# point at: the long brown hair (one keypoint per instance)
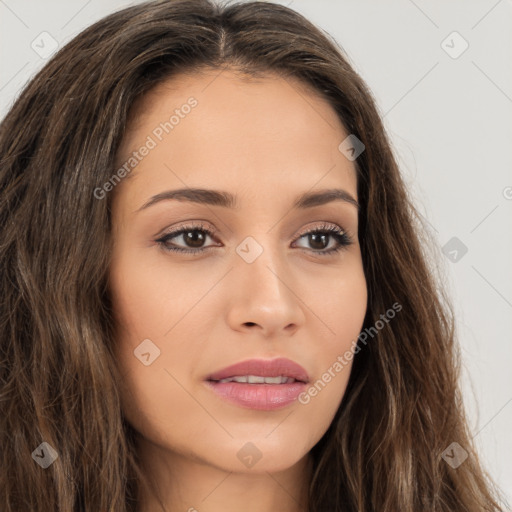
(402, 408)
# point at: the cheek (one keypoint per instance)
(153, 302)
(341, 310)
(341, 304)
(151, 297)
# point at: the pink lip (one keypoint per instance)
(260, 396)
(264, 368)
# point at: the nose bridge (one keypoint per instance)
(263, 293)
(261, 261)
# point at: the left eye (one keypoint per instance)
(322, 239)
(195, 236)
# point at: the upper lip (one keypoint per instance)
(264, 368)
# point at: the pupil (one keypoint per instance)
(196, 240)
(313, 240)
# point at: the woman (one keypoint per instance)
(214, 289)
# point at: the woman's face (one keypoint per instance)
(257, 287)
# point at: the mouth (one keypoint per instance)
(260, 384)
(260, 371)
(257, 379)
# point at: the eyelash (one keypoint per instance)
(343, 239)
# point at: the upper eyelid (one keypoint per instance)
(187, 227)
(323, 225)
(205, 227)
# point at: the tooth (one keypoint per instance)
(253, 379)
(273, 380)
(257, 379)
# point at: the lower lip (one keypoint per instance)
(264, 397)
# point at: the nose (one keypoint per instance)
(265, 297)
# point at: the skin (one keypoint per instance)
(267, 141)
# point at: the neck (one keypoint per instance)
(180, 482)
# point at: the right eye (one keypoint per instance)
(194, 235)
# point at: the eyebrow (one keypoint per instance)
(227, 200)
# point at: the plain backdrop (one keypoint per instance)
(441, 75)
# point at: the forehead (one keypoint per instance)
(240, 129)
(231, 87)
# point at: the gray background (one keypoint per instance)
(449, 118)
